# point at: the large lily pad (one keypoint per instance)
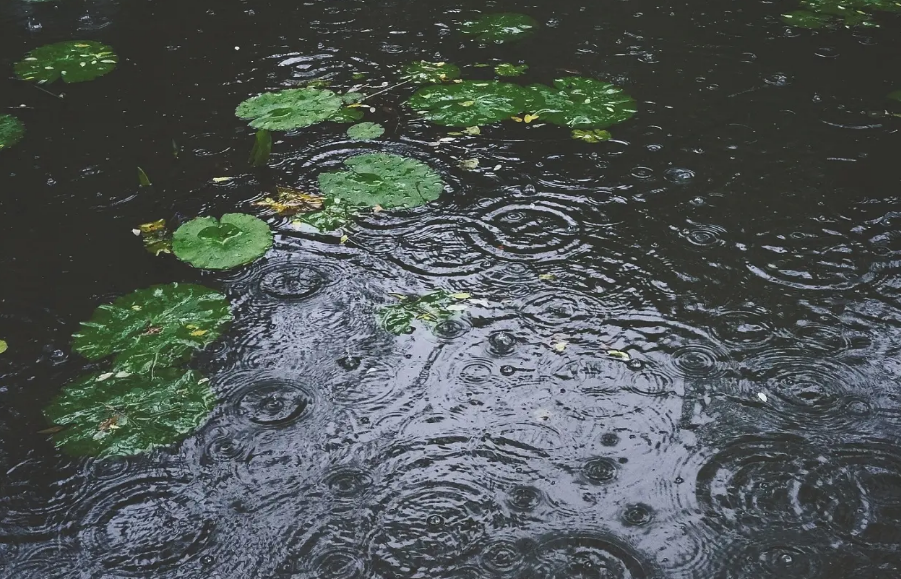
(210, 243)
(500, 27)
(469, 103)
(11, 131)
(424, 72)
(581, 103)
(73, 61)
(382, 179)
(155, 327)
(124, 414)
(294, 108)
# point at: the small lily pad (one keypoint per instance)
(581, 103)
(294, 108)
(210, 243)
(591, 135)
(469, 103)
(807, 19)
(155, 327)
(382, 179)
(430, 309)
(3, 346)
(11, 131)
(424, 72)
(507, 69)
(126, 413)
(365, 131)
(500, 27)
(334, 215)
(73, 61)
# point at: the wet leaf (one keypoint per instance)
(499, 27)
(128, 415)
(358, 75)
(52, 430)
(147, 329)
(222, 179)
(424, 72)
(143, 179)
(73, 61)
(430, 309)
(547, 276)
(472, 131)
(592, 135)
(529, 118)
(806, 19)
(382, 179)
(507, 69)
(619, 355)
(461, 296)
(332, 217)
(3, 346)
(343, 239)
(208, 243)
(469, 103)
(262, 148)
(291, 202)
(156, 237)
(12, 130)
(365, 131)
(559, 346)
(292, 108)
(581, 103)
(469, 164)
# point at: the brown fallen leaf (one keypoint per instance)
(291, 202)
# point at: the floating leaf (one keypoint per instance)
(148, 329)
(472, 131)
(507, 69)
(208, 243)
(581, 103)
(806, 19)
(365, 131)
(469, 164)
(469, 103)
(424, 72)
(333, 216)
(358, 75)
(547, 276)
(619, 355)
(382, 179)
(292, 108)
(156, 237)
(262, 148)
(592, 135)
(73, 61)
(11, 131)
(143, 179)
(291, 202)
(222, 179)
(130, 414)
(430, 309)
(3, 346)
(500, 27)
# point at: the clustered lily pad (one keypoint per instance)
(73, 61)
(365, 131)
(333, 216)
(500, 27)
(295, 108)
(507, 69)
(469, 103)
(117, 414)
(424, 72)
(210, 243)
(821, 13)
(154, 328)
(430, 309)
(581, 103)
(11, 131)
(591, 135)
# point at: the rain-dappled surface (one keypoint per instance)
(738, 238)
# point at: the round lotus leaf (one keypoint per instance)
(507, 69)
(119, 413)
(11, 131)
(73, 61)
(290, 109)
(365, 131)
(581, 103)
(500, 27)
(155, 327)
(805, 19)
(424, 72)
(382, 179)
(469, 103)
(210, 243)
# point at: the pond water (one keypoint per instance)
(735, 245)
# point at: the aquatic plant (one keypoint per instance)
(581, 103)
(12, 130)
(424, 72)
(295, 108)
(382, 179)
(430, 309)
(210, 243)
(507, 69)
(365, 131)
(499, 27)
(469, 103)
(72, 61)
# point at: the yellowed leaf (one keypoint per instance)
(472, 130)
(153, 226)
(547, 276)
(344, 239)
(355, 105)
(467, 103)
(461, 296)
(3, 346)
(517, 119)
(619, 355)
(529, 118)
(291, 202)
(198, 333)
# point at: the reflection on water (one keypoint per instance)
(737, 240)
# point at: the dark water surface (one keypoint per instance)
(739, 239)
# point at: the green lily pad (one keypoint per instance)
(382, 179)
(430, 309)
(73, 61)
(424, 72)
(234, 240)
(591, 135)
(469, 103)
(806, 19)
(365, 131)
(120, 414)
(11, 131)
(155, 327)
(500, 27)
(294, 108)
(581, 103)
(507, 69)
(849, 7)
(334, 215)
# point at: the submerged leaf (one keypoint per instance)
(382, 179)
(581, 103)
(292, 108)
(592, 135)
(148, 329)
(11, 131)
(262, 148)
(500, 27)
(469, 103)
(332, 217)
(806, 19)
(365, 131)
(424, 72)
(156, 237)
(130, 414)
(208, 243)
(507, 69)
(291, 202)
(73, 61)
(143, 179)
(430, 309)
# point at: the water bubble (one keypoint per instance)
(524, 498)
(600, 470)
(637, 514)
(501, 343)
